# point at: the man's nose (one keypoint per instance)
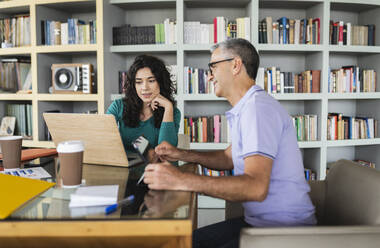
(210, 77)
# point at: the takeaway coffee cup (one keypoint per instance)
(11, 150)
(70, 155)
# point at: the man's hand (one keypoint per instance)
(168, 152)
(152, 156)
(163, 176)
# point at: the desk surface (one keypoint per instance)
(156, 219)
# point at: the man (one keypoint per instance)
(269, 173)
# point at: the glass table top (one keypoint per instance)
(148, 204)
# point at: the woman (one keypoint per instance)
(148, 107)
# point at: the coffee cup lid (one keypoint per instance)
(70, 146)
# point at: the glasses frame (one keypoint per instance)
(212, 64)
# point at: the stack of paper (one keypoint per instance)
(94, 196)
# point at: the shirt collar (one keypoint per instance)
(236, 109)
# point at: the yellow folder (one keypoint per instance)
(16, 191)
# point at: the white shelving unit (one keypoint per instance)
(296, 58)
(42, 57)
(109, 60)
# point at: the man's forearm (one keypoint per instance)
(215, 160)
(236, 188)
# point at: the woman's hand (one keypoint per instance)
(160, 101)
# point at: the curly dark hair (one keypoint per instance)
(133, 105)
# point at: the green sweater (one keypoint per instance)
(168, 130)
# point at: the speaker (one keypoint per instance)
(72, 78)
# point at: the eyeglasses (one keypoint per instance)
(212, 64)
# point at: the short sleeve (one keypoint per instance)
(116, 109)
(261, 129)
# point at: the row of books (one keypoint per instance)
(290, 31)
(361, 162)
(366, 163)
(204, 129)
(213, 173)
(15, 75)
(310, 175)
(15, 31)
(352, 79)
(195, 81)
(162, 33)
(341, 33)
(306, 127)
(220, 30)
(274, 81)
(74, 31)
(198, 33)
(23, 114)
(341, 127)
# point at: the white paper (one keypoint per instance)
(34, 173)
(94, 196)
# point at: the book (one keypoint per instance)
(94, 196)
(14, 194)
(316, 77)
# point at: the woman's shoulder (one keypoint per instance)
(119, 102)
(116, 106)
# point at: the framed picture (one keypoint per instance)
(7, 125)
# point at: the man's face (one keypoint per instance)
(220, 67)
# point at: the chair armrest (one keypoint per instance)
(311, 237)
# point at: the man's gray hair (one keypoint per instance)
(245, 50)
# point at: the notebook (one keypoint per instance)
(14, 194)
(99, 132)
(94, 196)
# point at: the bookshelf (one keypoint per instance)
(109, 60)
(289, 57)
(42, 57)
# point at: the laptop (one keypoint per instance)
(100, 134)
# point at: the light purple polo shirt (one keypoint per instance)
(260, 125)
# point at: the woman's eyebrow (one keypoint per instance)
(146, 78)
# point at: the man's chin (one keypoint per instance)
(218, 94)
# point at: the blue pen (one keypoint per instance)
(126, 201)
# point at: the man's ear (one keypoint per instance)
(237, 66)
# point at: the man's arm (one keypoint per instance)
(215, 160)
(253, 185)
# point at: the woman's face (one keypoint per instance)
(147, 87)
